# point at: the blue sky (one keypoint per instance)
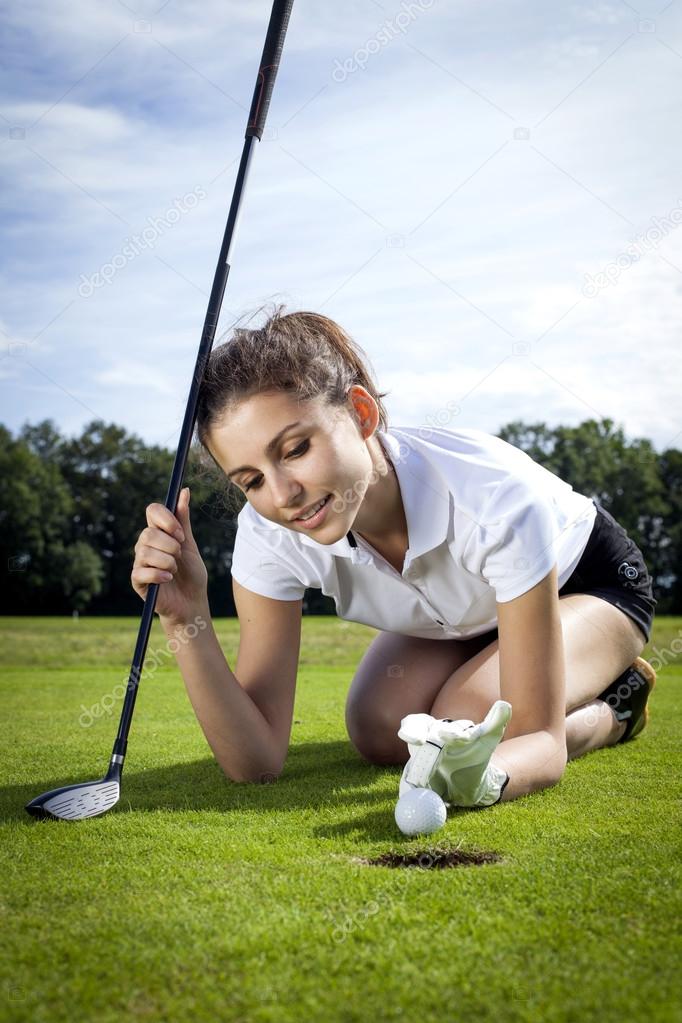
(486, 196)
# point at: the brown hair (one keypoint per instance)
(303, 353)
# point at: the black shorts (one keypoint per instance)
(612, 567)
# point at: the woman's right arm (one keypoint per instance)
(240, 737)
(242, 740)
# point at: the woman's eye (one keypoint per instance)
(295, 453)
(300, 450)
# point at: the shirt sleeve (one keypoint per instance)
(512, 544)
(259, 564)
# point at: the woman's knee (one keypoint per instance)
(398, 675)
(378, 698)
(382, 749)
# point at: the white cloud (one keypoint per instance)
(125, 374)
(429, 123)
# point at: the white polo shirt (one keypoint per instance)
(485, 524)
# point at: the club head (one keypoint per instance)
(76, 802)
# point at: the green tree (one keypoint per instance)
(671, 543)
(537, 440)
(624, 477)
(35, 507)
(81, 571)
(71, 510)
(113, 476)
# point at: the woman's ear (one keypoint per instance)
(365, 409)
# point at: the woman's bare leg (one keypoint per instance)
(600, 642)
(591, 727)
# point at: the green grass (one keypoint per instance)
(199, 899)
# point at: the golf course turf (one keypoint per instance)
(196, 898)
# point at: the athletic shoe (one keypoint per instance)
(628, 695)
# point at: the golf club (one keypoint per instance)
(89, 799)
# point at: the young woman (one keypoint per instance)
(488, 578)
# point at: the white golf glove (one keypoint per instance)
(453, 757)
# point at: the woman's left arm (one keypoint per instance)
(533, 680)
(531, 652)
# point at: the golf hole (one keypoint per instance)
(432, 859)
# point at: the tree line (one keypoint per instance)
(71, 510)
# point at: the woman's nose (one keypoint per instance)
(285, 492)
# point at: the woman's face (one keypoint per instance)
(332, 451)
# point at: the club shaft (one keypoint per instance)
(255, 126)
(207, 337)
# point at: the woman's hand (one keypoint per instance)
(453, 757)
(166, 553)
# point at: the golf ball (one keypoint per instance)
(420, 812)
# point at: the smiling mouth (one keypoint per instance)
(311, 514)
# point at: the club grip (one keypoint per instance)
(269, 64)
